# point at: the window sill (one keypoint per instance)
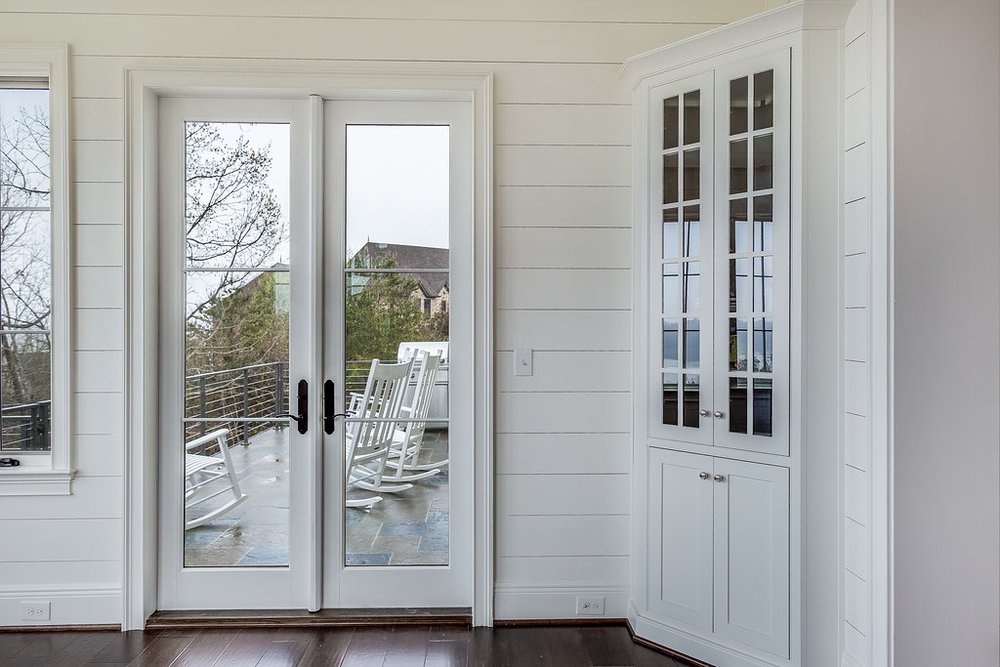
(35, 482)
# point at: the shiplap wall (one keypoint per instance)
(562, 173)
(856, 336)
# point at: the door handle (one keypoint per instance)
(302, 403)
(330, 413)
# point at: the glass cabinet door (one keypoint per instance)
(719, 257)
(751, 256)
(681, 280)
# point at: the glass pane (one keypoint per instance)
(25, 270)
(670, 344)
(670, 389)
(691, 399)
(671, 234)
(692, 342)
(397, 322)
(692, 231)
(237, 180)
(692, 117)
(253, 532)
(763, 345)
(737, 166)
(762, 406)
(671, 120)
(763, 284)
(739, 285)
(737, 344)
(692, 287)
(763, 100)
(739, 234)
(692, 175)
(763, 162)
(737, 405)
(236, 347)
(671, 289)
(738, 106)
(24, 148)
(671, 179)
(26, 393)
(763, 224)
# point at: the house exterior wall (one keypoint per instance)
(562, 257)
(946, 318)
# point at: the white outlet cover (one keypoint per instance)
(36, 610)
(590, 606)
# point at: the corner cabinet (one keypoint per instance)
(722, 191)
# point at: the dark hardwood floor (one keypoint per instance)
(401, 646)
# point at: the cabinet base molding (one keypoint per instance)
(683, 646)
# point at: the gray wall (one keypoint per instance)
(947, 332)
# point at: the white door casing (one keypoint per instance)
(146, 88)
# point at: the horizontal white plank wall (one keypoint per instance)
(562, 176)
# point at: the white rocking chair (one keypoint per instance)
(370, 430)
(407, 442)
(201, 470)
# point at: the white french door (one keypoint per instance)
(302, 240)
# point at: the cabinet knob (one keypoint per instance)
(719, 478)
(719, 414)
(703, 475)
(704, 413)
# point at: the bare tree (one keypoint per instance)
(25, 252)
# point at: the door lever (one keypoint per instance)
(330, 413)
(302, 399)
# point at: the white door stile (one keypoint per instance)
(181, 587)
(413, 585)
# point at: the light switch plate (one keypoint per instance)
(522, 361)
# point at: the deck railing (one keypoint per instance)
(26, 427)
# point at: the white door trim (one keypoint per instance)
(144, 87)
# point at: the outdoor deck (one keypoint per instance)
(405, 528)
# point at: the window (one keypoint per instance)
(34, 265)
(25, 268)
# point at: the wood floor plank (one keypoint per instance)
(247, 647)
(162, 651)
(125, 649)
(283, 653)
(367, 648)
(328, 647)
(566, 645)
(407, 647)
(206, 649)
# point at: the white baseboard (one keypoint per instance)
(69, 605)
(690, 644)
(513, 602)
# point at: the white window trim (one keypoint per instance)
(50, 474)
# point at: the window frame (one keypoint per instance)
(50, 474)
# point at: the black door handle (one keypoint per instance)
(330, 413)
(302, 419)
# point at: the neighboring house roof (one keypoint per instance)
(411, 257)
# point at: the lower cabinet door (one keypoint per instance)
(680, 537)
(751, 555)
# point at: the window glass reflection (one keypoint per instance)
(737, 344)
(737, 166)
(671, 288)
(692, 175)
(670, 122)
(691, 390)
(738, 106)
(692, 117)
(763, 162)
(670, 344)
(670, 179)
(671, 233)
(763, 100)
(692, 231)
(670, 403)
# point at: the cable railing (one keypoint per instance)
(26, 427)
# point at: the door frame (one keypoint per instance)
(143, 90)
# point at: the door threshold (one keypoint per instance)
(300, 618)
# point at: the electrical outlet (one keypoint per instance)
(590, 606)
(36, 610)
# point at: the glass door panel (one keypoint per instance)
(680, 290)
(396, 321)
(752, 258)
